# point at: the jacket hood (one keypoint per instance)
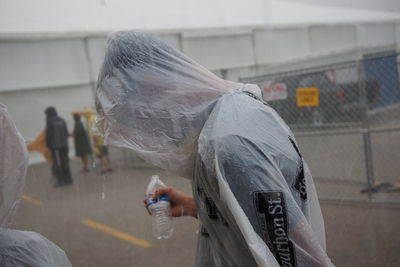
(154, 100)
(51, 112)
(13, 165)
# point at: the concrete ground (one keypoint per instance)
(113, 200)
(357, 235)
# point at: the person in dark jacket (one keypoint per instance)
(57, 142)
(81, 141)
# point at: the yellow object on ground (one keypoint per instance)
(32, 200)
(116, 233)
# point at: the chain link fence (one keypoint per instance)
(346, 118)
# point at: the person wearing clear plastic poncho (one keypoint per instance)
(19, 248)
(253, 192)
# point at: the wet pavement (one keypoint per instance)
(100, 220)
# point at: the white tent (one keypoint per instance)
(49, 16)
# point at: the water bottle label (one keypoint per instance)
(164, 198)
(150, 200)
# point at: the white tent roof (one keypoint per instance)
(59, 16)
(295, 13)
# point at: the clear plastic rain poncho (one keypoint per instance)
(254, 193)
(19, 248)
(13, 165)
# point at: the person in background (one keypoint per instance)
(57, 142)
(83, 149)
(100, 149)
(252, 190)
(19, 248)
(102, 154)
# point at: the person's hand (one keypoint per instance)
(181, 203)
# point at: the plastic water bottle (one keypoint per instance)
(160, 209)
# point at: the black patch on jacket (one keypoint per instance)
(212, 210)
(274, 224)
(300, 182)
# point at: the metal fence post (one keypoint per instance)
(365, 128)
(368, 160)
(89, 65)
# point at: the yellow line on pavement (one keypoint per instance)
(116, 233)
(32, 200)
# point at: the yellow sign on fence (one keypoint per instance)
(307, 97)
